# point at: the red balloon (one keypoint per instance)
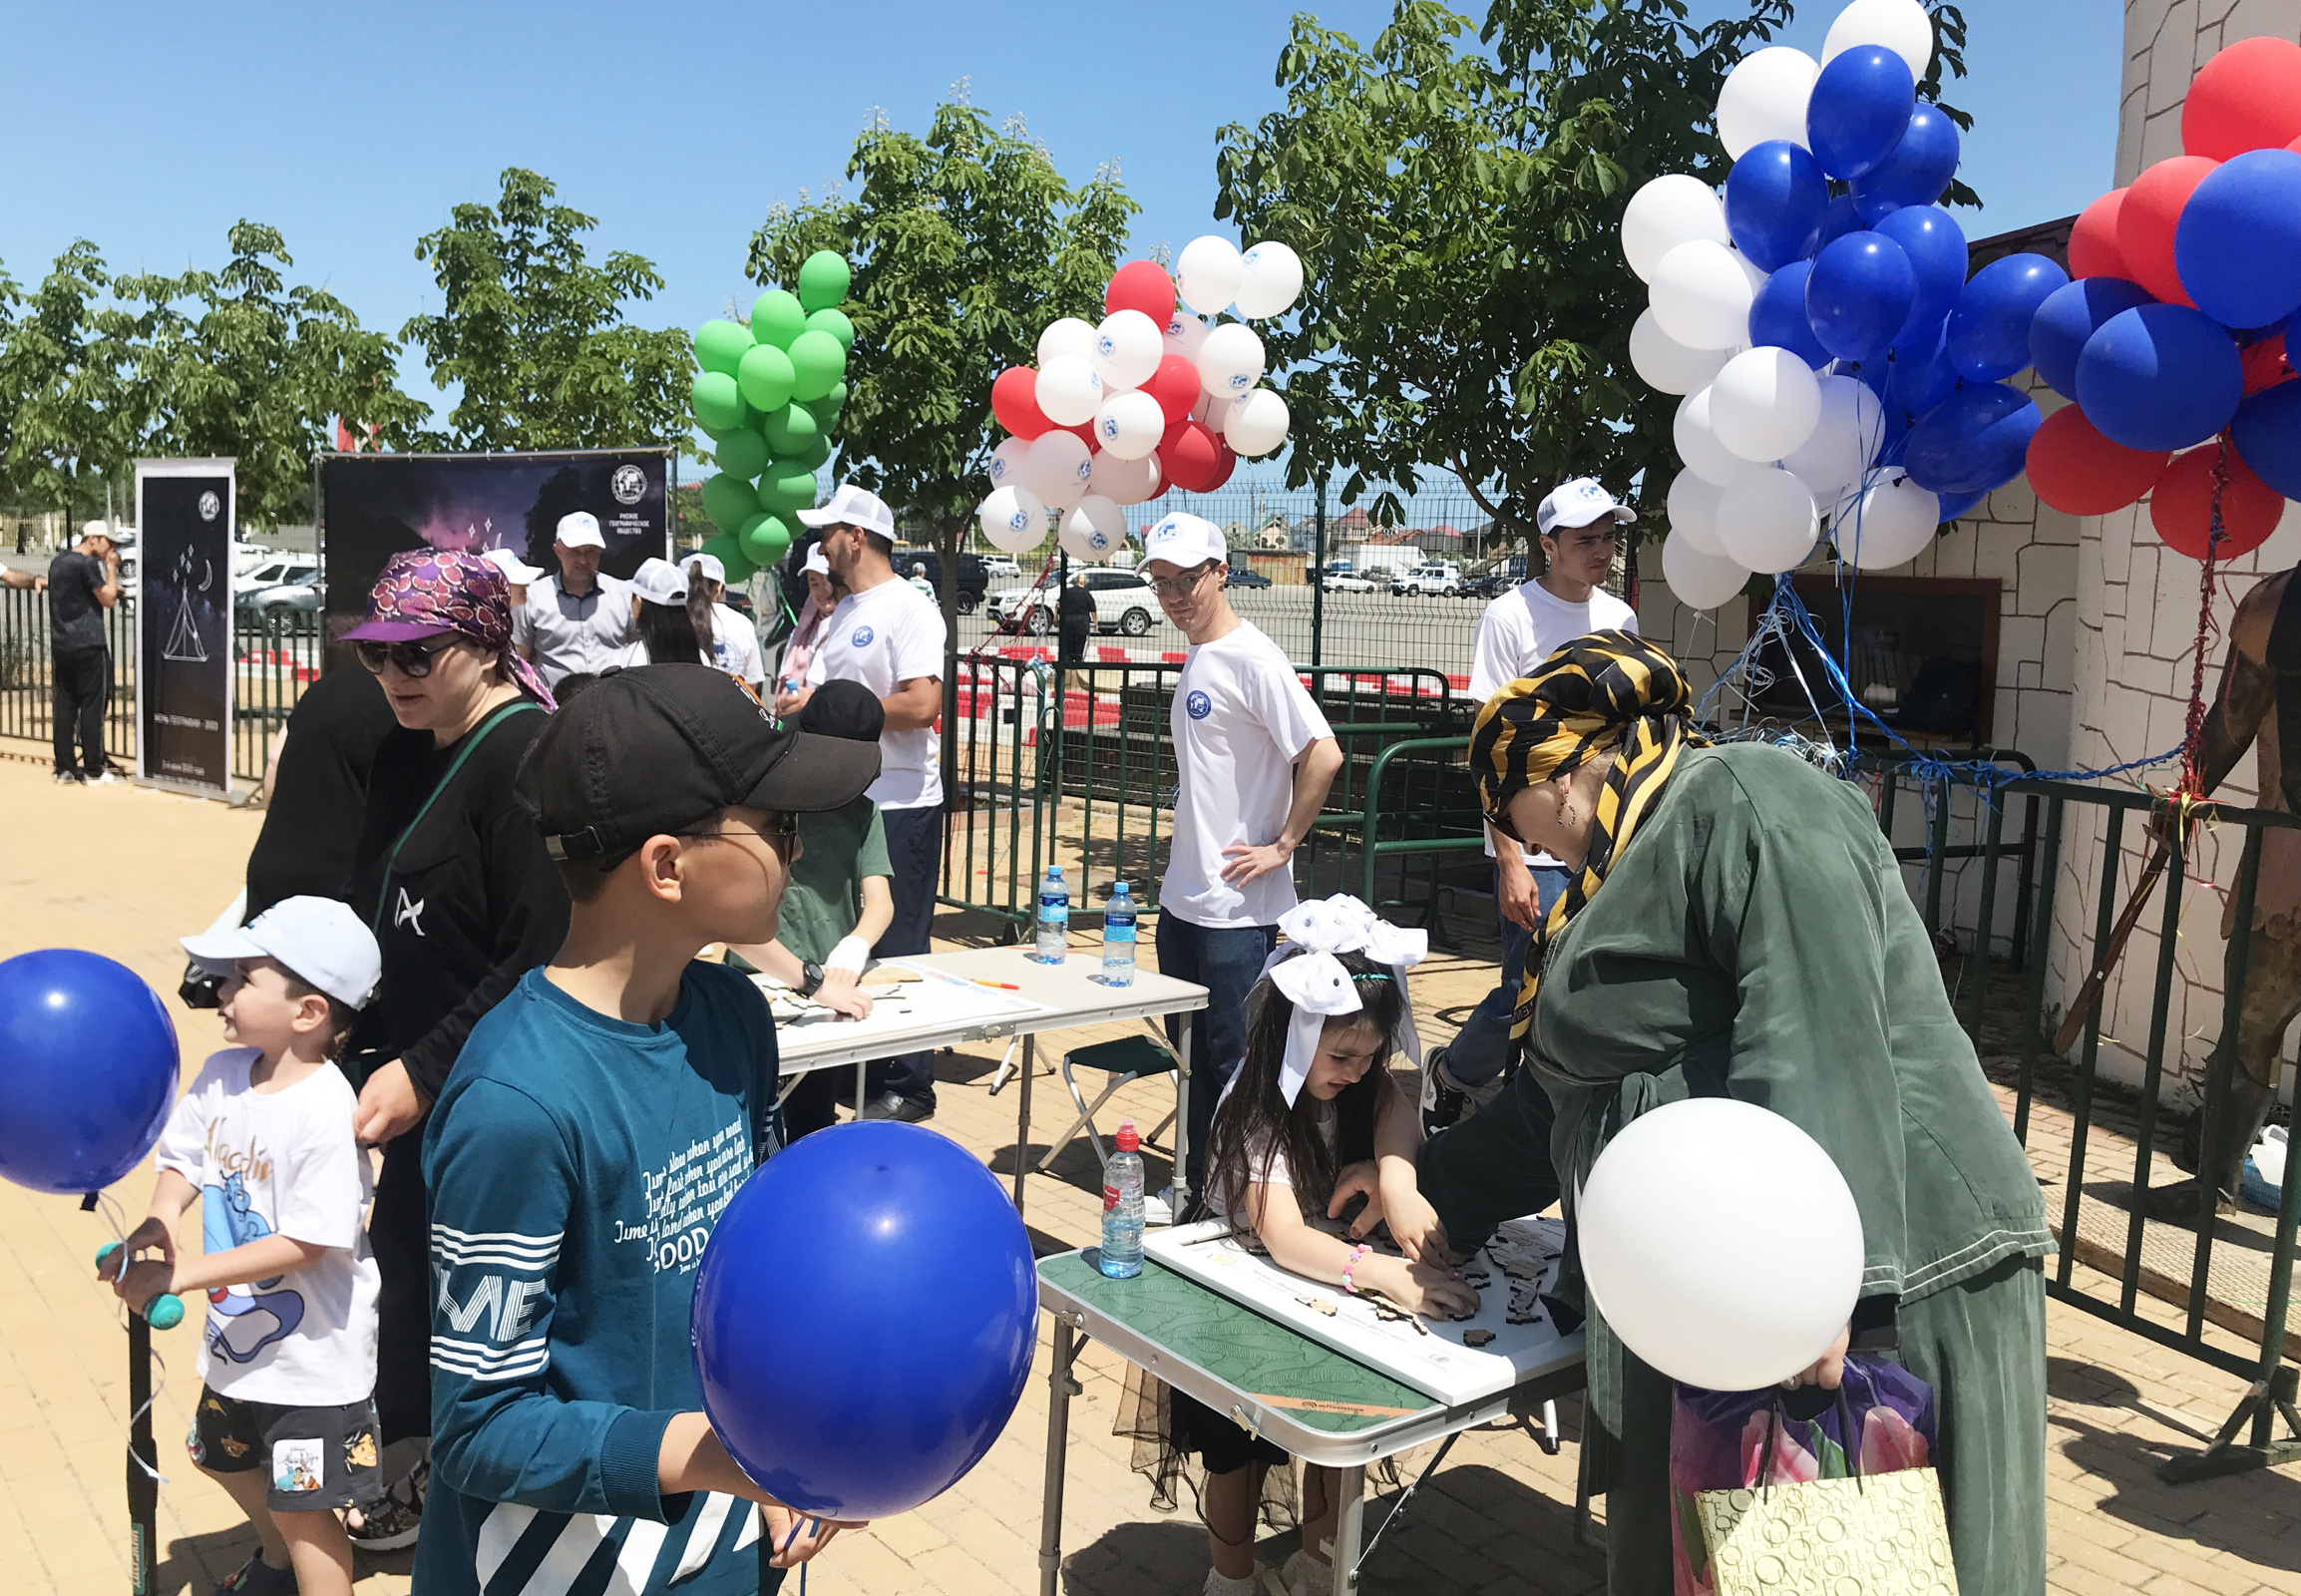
(1192, 457)
(2265, 363)
(2094, 239)
(1176, 386)
(1224, 467)
(2073, 468)
(2246, 97)
(1085, 432)
(1141, 286)
(1014, 401)
(2146, 224)
(2182, 508)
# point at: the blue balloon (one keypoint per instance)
(88, 1066)
(2237, 246)
(1775, 198)
(2267, 433)
(1861, 104)
(1860, 293)
(2160, 377)
(1840, 219)
(1922, 377)
(1936, 246)
(1918, 171)
(1988, 326)
(884, 1381)
(1778, 315)
(1955, 505)
(1975, 440)
(2068, 316)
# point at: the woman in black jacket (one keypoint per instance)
(451, 875)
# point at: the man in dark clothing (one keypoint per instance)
(318, 790)
(1076, 615)
(83, 582)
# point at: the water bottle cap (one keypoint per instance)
(1127, 1140)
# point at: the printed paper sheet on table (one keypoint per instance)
(934, 998)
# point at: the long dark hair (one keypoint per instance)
(669, 632)
(706, 629)
(1255, 1116)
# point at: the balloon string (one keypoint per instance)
(110, 1211)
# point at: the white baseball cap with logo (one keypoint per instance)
(319, 940)
(854, 507)
(708, 567)
(659, 583)
(515, 571)
(580, 530)
(816, 561)
(1577, 504)
(1184, 541)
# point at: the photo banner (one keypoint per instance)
(374, 506)
(183, 528)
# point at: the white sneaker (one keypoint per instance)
(1158, 1208)
(1304, 1575)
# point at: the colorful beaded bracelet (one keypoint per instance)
(1349, 1284)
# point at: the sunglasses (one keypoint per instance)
(412, 659)
(781, 834)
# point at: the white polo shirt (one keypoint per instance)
(565, 634)
(1525, 627)
(881, 637)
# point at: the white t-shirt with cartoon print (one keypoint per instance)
(282, 1163)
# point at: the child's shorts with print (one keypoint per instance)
(313, 1458)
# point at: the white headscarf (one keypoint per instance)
(1306, 971)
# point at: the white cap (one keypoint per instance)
(854, 507)
(1577, 504)
(94, 529)
(659, 583)
(1184, 541)
(708, 567)
(515, 571)
(318, 940)
(816, 561)
(580, 530)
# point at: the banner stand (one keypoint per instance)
(185, 515)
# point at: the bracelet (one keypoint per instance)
(1348, 1283)
(851, 953)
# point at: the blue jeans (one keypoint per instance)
(1483, 1046)
(914, 851)
(1226, 960)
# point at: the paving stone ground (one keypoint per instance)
(125, 872)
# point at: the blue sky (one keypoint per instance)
(353, 128)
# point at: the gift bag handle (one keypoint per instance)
(1773, 1431)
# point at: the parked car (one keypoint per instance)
(1437, 578)
(1240, 577)
(1001, 565)
(278, 571)
(280, 606)
(974, 576)
(1123, 602)
(1488, 584)
(1345, 580)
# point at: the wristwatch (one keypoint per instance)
(810, 977)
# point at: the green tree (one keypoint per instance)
(534, 335)
(80, 397)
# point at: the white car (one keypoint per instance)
(1346, 581)
(1123, 602)
(1434, 578)
(1000, 566)
(282, 571)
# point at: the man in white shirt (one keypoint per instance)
(1580, 529)
(888, 636)
(576, 619)
(1254, 760)
(735, 639)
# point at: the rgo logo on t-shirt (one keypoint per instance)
(1199, 705)
(862, 637)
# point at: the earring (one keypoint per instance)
(1566, 817)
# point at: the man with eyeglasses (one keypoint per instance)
(1579, 526)
(1253, 758)
(575, 619)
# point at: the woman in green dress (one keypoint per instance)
(1737, 925)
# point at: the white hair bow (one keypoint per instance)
(1307, 973)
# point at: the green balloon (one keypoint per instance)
(765, 378)
(791, 430)
(822, 280)
(777, 317)
(787, 486)
(817, 363)
(815, 453)
(719, 345)
(728, 550)
(835, 323)
(718, 402)
(729, 501)
(743, 453)
(826, 413)
(766, 539)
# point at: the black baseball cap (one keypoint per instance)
(663, 747)
(843, 709)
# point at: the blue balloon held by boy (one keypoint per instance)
(88, 1068)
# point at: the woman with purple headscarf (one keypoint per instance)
(451, 875)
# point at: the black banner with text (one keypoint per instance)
(184, 522)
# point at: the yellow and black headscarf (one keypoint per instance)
(1605, 693)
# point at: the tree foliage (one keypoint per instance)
(70, 373)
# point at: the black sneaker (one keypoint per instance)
(894, 1105)
(258, 1578)
(1442, 1101)
(395, 1521)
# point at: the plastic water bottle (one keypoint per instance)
(1054, 917)
(1118, 939)
(1122, 1206)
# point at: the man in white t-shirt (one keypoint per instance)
(575, 619)
(735, 639)
(1254, 760)
(890, 638)
(1580, 529)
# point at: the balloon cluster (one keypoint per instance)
(1837, 365)
(1153, 398)
(2172, 340)
(769, 395)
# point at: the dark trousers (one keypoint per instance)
(1226, 960)
(914, 851)
(399, 1234)
(1075, 644)
(1483, 1046)
(82, 678)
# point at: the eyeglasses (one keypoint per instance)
(782, 834)
(1176, 587)
(411, 658)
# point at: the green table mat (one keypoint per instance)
(1314, 1384)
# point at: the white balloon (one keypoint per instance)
(1256, 423)
(1185, 334)
(1271, 281)
(1129, 423)
(1700, 581)
(1694, 515)
(1068, 392)
(1664, 363)
(1764, 403)
(1766, 520)
(1847, 433)
(1067, 336)
(1058, 467)
(1890, 524)
(1211, 411)
(1013, 519)
(1701, 295)
(1902, 25)
(1751, 270)
(1699, 447)
(1230, 360)
(1721, 1243)
(1007, 461)
(1093, 529)
(1668, 212)
(1208, 274)
(1127, 347)
(1123, 481)
(1765, 96)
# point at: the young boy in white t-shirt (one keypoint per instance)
(264, 1143)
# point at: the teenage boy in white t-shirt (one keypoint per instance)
(263, 1142)
(1254, 760)
(1579, 526)
(889, 637)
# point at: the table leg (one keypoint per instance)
(1182, 1180)
(1350, 1523)
(862, 1072)
(1023, 1117)
(1060, 1389)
